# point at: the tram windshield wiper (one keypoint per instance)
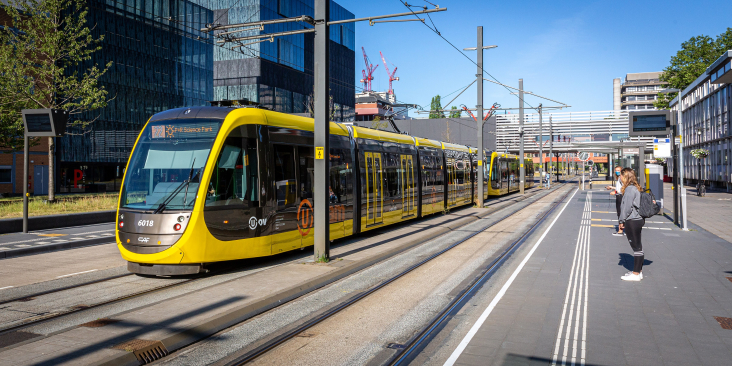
(177, 190)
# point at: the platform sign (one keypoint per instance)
(661, 148)
(649, 123)
(45, 122)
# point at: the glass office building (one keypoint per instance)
(161, 60)
(707, 124)
(279, 74)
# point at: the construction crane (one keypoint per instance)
(368, 74)
(391, 75)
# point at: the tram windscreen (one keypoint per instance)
(167, 153)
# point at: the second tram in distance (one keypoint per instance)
(211, 184)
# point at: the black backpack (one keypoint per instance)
(648, 206)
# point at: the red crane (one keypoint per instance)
(368, 74)
(391, 75)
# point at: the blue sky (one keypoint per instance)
(569, 51)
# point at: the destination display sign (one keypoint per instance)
(649, 123)
(185, 130)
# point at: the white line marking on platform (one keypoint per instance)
(3, 288)
(22, 245)
(579, 275)
(479, 323)
(77, 273)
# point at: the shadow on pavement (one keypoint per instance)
(626, 260)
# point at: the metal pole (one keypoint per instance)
(25, 184)
(551, 151)
(479, 118)
(682, 190)
(322, 131)
(541, 149)
(675, 176)
(521, 136)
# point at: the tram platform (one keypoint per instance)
(192, 311)
(561, 301)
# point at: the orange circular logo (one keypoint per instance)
(305, 217)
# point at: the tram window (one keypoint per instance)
(236, 175)
(285, 178)
(338, 177)
(393, 174)
(307, 171)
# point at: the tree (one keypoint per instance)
(436, 108)
(692, 60)
(455, 112)
(41, 50)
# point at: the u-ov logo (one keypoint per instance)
(253, 222)
(304, 217)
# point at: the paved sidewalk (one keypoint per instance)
(15, 244)
(568, 305)
(713, 212)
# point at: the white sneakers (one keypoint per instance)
(630, 276)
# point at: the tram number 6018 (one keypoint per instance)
(145, 223)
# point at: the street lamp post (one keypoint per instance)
(479, 113)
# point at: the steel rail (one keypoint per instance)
(268, 346)
(63, 288)
(456, 304)
(53, 316)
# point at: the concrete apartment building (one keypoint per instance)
(639, 91)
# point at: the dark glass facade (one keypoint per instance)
(279, 74)
(160, 61)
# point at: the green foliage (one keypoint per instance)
(455, 112)
(692, 60)
(379, 124)
(436, 108)
(48, 39)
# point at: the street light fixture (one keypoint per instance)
(680, 184)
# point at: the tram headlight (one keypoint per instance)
(181, 218)
(177, 227)
(121, 217)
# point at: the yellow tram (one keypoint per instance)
(211, 184)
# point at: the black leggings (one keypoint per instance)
(618, 201)
(633, 232)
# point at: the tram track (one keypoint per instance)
(290, 333)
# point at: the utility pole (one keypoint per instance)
(541, 150)
(479, 119)
(521, 136)
(551, 150)
(321, 207)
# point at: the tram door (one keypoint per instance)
(374, 189)
(407, 181)
(451, 183)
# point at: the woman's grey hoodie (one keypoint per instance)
(630, 204)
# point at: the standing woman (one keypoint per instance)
(632, 222)
(615, 191)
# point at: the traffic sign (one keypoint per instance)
(661, 148)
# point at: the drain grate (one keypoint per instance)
(726, 323)
(99, 323)
(145, 351)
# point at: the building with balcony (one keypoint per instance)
(706, 124)
(278, 75)
(639, 91)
